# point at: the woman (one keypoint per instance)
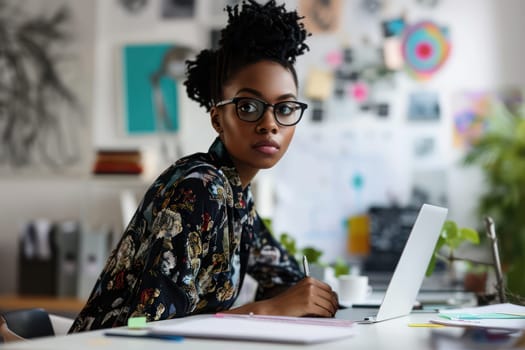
(196, 233)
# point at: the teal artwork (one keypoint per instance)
(150, 93)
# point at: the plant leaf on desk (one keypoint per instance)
(288, 242)
(469, 234)
(341, 267)
(452, 237)
(432, 264)
(313, 255)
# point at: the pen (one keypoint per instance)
(290, 319)
(136, 334)
(305, 266)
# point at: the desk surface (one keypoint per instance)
(392, 334)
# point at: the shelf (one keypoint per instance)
(56, 305)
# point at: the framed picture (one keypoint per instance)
(178, 9)
(321, 16)
(150, 88)
(424, 106)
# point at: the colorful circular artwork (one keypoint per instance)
(425, 49)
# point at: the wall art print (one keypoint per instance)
(40, 115)
(426, 47)
(150, 89)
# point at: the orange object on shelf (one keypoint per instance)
(359, 235)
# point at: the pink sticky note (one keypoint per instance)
(334, 58)
(359, 91)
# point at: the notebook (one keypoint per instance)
(410, 270)
(259, 328)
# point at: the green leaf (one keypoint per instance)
(449, 230)
(288, 242)
(312, 254)
(451, 234)
(268, 224)
(500, 155)
(432, 264)
(468, 234)
(341, 267)
(452, 237)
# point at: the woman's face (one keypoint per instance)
(261, 144)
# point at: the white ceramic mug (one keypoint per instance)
(353, 289)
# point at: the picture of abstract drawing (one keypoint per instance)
(426, 47)
(41, 113)
(321, 16)
(470, 114)
(423, 106)
(424, 147)
(178, 8)
(393, 27)
(150, 91)
(427, 148)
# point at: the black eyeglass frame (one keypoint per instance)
(265, 104)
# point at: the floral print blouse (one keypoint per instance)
(187, 249)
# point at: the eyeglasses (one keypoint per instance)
(286, 113)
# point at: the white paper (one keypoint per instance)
(506, 308)
(504, 324)
(266, 329)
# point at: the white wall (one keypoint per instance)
(114, 29)
(487, 53)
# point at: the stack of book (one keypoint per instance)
(118, 162)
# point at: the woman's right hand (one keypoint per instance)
(309, 297)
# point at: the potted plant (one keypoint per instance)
(318, 269)
(312, 254)
(451, 237)
(500, 153)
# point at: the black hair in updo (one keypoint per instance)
(254, 32)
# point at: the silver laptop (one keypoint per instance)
(410, 270)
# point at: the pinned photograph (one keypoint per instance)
(471, 110)
(393, 27)
(424, 147)
(178, 9)
(426, 47)
(392, 53)
(150, 87)
(424, 106)
(321, 16)
(319, 85)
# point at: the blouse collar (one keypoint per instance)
(220, 155)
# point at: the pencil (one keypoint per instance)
(305, 266)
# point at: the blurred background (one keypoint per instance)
(92, 109)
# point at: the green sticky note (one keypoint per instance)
(137, 322)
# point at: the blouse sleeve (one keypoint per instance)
(187, 259)
(270, 264)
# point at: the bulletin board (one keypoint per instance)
(332, 172)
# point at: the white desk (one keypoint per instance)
(392, 334)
